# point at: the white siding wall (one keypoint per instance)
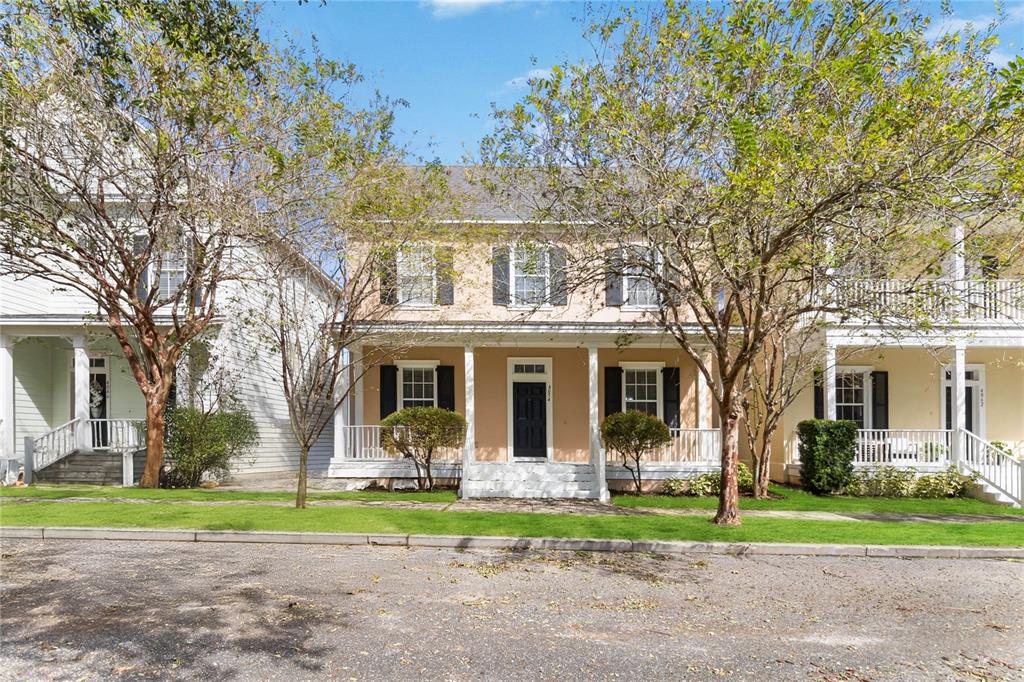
(35, 296)
(33, 399)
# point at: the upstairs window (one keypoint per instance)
(171, 276)
(531, 275)
(638, 290)
(416, 276)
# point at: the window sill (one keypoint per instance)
(417, 306)
(626, 308)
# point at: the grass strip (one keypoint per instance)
(57, 492)
(430, 522)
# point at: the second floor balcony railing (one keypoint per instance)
(975, 301)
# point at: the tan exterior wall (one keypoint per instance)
(569, 391)
(473, 301)
(915, 380)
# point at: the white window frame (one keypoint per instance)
(403, 365)
(866, 404)
(512, 263)
(626, 303)
(399, 258)
(548, 378)
(165, 273)
(657, 367)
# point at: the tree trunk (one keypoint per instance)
(728, 498)
(430, 474)
(156, 424)
(762, 471)
(639, 479)
(300, 493)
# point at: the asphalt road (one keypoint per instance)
(83, 610)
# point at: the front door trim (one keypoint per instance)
(547, 378)
(979, 386)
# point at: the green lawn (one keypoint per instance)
(794, 499)
(432, 522)
(56, 492)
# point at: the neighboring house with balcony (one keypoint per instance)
(68, 396)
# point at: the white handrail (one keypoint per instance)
(55, 445)
(903, 447)
(364, 442)
(687, 446)
(114, 435)
(995, 467)
(978, 299)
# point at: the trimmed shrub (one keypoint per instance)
(888, 481)
(417, 432)
(826, 454)
(631, 435)
(202, 443)
(710, 484)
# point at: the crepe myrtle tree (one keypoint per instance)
(729, 163)
(124, 173)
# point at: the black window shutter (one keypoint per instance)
(139, 242)
(499, 258)
(819, 395)
(388, 390)
(879, 400)
(389, 279)
(670, 396)
(445, 281)
(612, 390)
(559, 287)
(613, 279)
(446, 387)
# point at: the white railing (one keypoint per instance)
(54, 445)
(688, 446)
(117, 435)
(365, 443)
(995, 299)
(995, 467)
(114, 435)
(903, 447)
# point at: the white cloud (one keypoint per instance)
(942, 25)
(523, 81)
(445, 9)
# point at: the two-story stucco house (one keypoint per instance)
(535, 369)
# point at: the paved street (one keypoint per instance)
(150, 610)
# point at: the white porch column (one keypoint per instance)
(829, 388)
(81, 391)
(959, 273)
(959, 369)
(7, 445)
(596, 456)
(357, 397)
(469, 450)
(704, 407)
(341, 411)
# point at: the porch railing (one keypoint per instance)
(903, 447)
(114, 435)
(688, 446)
(999, 469)
(981, 299)
(365, 442)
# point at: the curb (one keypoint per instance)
(513, 543)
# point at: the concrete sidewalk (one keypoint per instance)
(514, 543)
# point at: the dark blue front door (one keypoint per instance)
(529, 419)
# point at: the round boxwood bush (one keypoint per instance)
(631, 435)
(418, 432)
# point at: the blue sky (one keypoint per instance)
(451, 59)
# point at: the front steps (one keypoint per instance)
(531, 480)
(93, 468)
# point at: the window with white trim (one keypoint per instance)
(172, 274)
(530, 274)
(416, 276)
(642, 391)
(852, 397)
(417, 387)
(638, 289)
